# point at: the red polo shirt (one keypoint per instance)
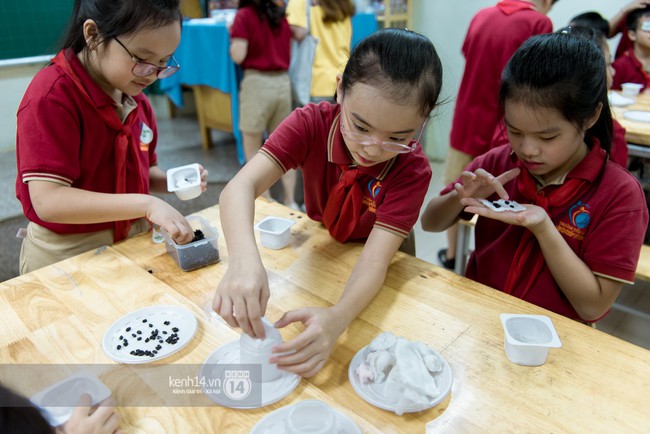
(268, 49)
(629, 70)
(393, 191)
(61, 138)
(605, 228)
(618, 153)
(494, 34)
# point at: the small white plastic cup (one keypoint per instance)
(275, 232)
(311, 417)
(185, 181)
(528, 338)
(631, 89)
(258, 351)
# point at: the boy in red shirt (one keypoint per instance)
(634, 64)
(493, 35)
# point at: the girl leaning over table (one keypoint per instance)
(579, 238)
(86, 136)
(365, 178)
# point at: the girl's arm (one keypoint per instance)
(238, 50)
(63, 204)
(441, 212)
(324, 325)
(298, 32)
(590, 295)
(244, 288)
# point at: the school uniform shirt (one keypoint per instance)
(61, 138)
(604, 226)
(268, 49)
(494, 34)
(629, 70)
(393, 191)
(333, 49)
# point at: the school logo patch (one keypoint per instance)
(374, 187)
(579, 217)
(146, 137)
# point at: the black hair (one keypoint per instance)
(562, 72)
(119, 17)
(266, 9)
(19, 416)
(633, 18)
(591, 19)
(402, 63)
(587, 32)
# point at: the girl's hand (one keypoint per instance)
(482, 184)
(168, 218)
(86, 419)
(241, 298)
(532, 218)
(204, 178)
(312, 348)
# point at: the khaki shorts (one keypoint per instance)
(454, 164)
(264, 100)
(43, 247)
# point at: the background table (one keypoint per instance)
(637, 134)
(206, 65)
(58, 314)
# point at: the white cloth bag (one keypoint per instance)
(302, 61)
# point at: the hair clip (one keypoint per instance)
(566, 30)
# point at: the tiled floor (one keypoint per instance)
(180, 144)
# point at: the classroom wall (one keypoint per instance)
(446, 24)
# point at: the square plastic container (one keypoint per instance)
(528, 338)
(59, 400)
(275, 232)
(185, 181)
(196, 254)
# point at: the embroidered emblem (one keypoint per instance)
(374, 187)
(579, 217)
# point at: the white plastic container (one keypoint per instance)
(196, 254)
(257, 351)
(185, 181)
(311, 416)
(528, 338)
(275, 232)
(631, 89)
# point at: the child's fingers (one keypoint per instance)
(82, 409)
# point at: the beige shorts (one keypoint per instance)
(264, 100)
(454, 164)
(43, 247)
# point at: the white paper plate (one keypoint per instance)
(637, 115)
(59, 400)
(618, 100)
(164, 318)
(374, 392)
(273, 423)
(272, 391)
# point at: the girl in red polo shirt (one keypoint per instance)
(261, 43)
(578, 240)
(86, 135)
(365, 178)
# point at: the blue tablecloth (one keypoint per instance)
(203, 54)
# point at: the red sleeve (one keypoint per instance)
(239, 28)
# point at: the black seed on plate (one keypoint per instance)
(128, 329)
(164, 332)
(144, 320)
(158, 347)
(496, 205)
(166, 323)
(121, 337)
(155, 352)
(139, 332)
(146, 340)
(139, 338)
(150, 325)
(133, 335)
(126, 344)
(119, 347)
(174, 329)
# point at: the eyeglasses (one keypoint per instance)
(145, 69)
(367, 140)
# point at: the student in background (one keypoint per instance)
(330, 23)
(578, 240)
(493, 35)
(86, 135)
(619, 152)
(19, 416)
(633, 66)
(593, 20)
(365, 175)
(261, 44)
(617, 24)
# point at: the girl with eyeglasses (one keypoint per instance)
(86, 136)
(365, 178)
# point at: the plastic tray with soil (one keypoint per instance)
(202, 251)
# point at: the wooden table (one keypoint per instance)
(594, 383)
(637, 133)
